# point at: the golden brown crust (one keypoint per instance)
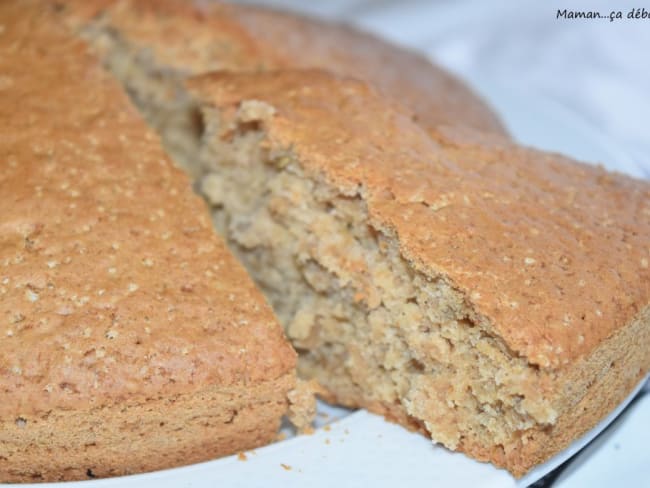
(552, 255)
(434, 95)
(199, 37)
(180, 35)
(113, 287)
(124, 439)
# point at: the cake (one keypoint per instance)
(130, 338)
(493, 296)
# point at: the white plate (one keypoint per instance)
(362, 449)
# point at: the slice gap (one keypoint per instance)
(157, 90)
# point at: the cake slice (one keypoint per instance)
(493, 296)
(153, 45)
(130, 338)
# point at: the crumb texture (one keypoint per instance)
(302, 405)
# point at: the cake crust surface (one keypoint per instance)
(197, 37)
(115, 293)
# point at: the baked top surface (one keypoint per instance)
(180, 35)
(436, 96)
(553, 255)
(113, 285)
(195, 37)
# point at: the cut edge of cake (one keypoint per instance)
(375, 325)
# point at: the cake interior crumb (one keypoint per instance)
(371, 329)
